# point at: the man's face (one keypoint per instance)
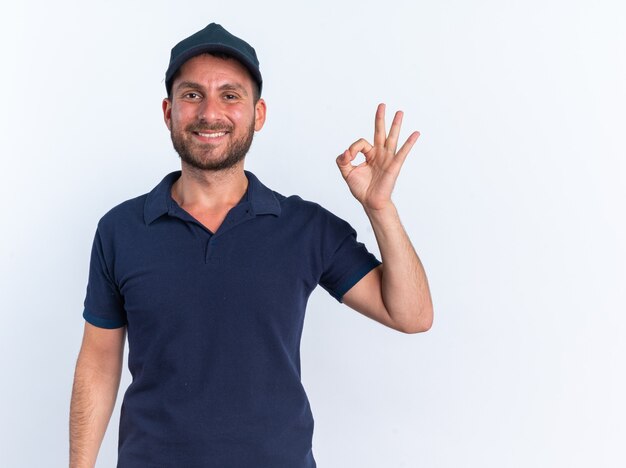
(211, 113)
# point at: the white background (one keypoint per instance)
(513, 197)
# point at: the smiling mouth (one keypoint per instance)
(210, 135)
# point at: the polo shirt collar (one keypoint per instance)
(158, 201)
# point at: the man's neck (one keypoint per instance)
(209, 191)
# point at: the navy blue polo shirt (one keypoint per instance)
(214, 323)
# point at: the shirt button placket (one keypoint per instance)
(210, 246)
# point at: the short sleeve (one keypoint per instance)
(346, 260)
(104, 305)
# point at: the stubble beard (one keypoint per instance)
(200, 156)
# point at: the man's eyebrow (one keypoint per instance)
(233, 87)
(224, 87)
(189, 85)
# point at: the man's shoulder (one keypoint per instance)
(142, 208)
(294, 206)
(125, 213)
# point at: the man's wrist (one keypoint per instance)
(380, 214)
(381, 211)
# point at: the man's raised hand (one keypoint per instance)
(372, 181)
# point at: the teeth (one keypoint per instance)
(212, 135)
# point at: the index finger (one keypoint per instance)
(379, 126)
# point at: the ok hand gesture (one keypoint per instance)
(372, 181)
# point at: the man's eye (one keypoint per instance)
(230, 97)
(192, 95)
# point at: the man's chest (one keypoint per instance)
(185, 273)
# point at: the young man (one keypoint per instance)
(209, 274)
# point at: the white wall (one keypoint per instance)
(513, 197)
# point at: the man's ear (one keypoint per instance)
(167, 112)
(259, 114)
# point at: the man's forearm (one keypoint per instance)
(404, 284)
(93, 399)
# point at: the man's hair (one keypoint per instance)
(256, 94)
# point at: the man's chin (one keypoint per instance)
(210, 164)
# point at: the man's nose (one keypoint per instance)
(210, 109)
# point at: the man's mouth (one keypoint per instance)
(210, 135)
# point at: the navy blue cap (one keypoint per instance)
(213, 38)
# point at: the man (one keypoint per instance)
(209, 274)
